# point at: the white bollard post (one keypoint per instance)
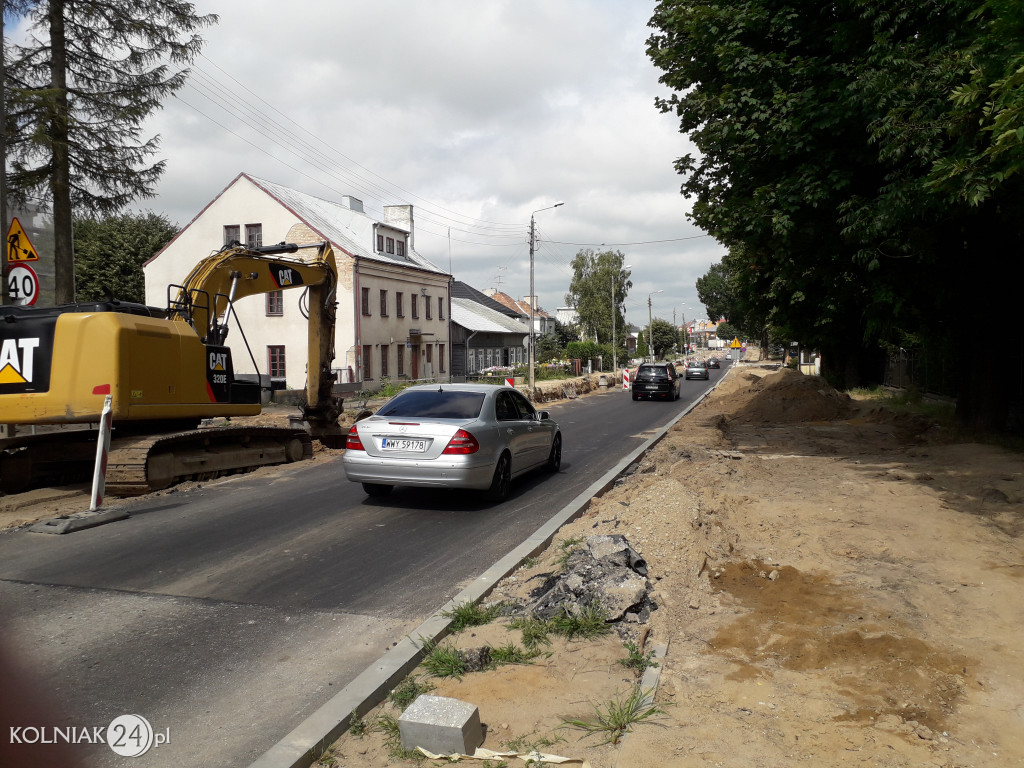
(99, 474)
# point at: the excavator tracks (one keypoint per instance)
(140, 464)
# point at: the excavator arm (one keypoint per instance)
(205, 298)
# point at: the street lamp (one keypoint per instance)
(650, 324)
(533, 298)
(615, 317)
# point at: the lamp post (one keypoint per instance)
(533, 299)
(650, 324)
(615, 317)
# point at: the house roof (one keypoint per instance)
(476, 317)
(522, 307)
(343, 226)
(460, 290)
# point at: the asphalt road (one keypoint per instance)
(228, 613)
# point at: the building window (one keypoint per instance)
(415, 306)
(440, 358)
(275, 361)
(383, 303)
(399, 305)
(426, 306)
(430, 353)
(232, 234)
(440, 307)
(400, 353)
(253, 235)
(275, 303)
(385, 350)
(380, 243)
(390, 245)
(367, 368)
(366, 301)
(400, 248)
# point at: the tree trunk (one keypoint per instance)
(60, 180)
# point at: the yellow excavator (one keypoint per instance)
(165, 370)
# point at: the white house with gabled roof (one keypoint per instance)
(394, 305)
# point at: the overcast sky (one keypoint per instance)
(477, 112)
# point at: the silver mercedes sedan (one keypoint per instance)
(452, 436)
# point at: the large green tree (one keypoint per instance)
(110, 252)
(822, 131)
(79, 91)
(599, 286)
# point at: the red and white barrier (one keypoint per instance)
(99, 475)
(510, 381)
(625, 378)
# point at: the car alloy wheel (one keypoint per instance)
(555, 457)
(501, 485)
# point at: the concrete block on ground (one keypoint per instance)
(441, 725)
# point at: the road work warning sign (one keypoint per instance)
(19, 247)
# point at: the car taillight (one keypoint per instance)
(461, 443)
(352, 442)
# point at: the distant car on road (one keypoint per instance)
(713, 362)
(452, 436)
(697, 369)
(656, 380)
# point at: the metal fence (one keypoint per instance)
(915, 369)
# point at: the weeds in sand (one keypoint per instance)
(388, 726)
(534, 631)
(618, 715)
(510, 653)
(587, 622)
(565, 551)
(471, 615)
(443, 660)
(405, 692)
(637, 660)
(356, 725)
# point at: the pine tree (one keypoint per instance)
(79, 91)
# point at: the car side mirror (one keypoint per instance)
(541, 415)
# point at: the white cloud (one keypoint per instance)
(478, 112)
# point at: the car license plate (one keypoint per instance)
(402, 444)
(652, 386)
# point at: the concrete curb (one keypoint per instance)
(310, 739)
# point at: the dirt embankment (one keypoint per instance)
(835, 585)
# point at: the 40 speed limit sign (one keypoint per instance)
(22, 285)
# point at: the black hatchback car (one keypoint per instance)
(656, 380)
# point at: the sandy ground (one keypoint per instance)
(835, 585)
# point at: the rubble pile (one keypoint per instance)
(605, 572)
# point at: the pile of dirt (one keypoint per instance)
(791, 397)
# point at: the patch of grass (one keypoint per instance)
(510, 653)
(587, 622)
(617, 717)
(534, 631)
(471, 615)
(565, 550)
(528, 562)
(405, 692)
(443, 660)
(637, 660)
